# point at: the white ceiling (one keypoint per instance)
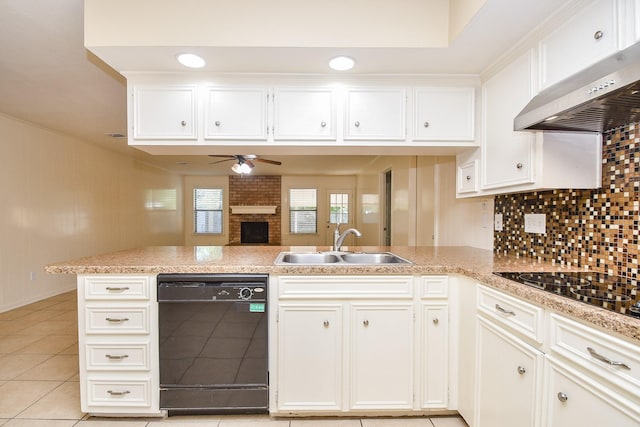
(47, 77)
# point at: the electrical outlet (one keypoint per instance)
(497, 222)
(535, 223)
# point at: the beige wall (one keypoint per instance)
(63, 198)
(460, 222)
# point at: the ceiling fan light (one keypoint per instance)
(191, 60)
(241, 168)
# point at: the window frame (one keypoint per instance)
(292, 210)
(195, 212)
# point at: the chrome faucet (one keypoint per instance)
(338, 238)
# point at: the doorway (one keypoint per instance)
(386, 220)
(339, 203)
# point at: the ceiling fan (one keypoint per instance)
(244, 162)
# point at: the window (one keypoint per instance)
(303, 211)
(339, 208)
(207, 207)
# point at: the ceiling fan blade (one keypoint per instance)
(250, 163)
(273, 162)
(220, 161)
(222, 155)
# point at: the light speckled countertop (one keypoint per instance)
(474, 263)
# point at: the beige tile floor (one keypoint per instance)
(39, 379)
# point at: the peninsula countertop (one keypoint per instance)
(474, 263)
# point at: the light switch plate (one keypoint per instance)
(535, 223)
(497, 222)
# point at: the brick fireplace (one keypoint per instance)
(255, 191)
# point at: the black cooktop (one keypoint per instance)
(609, 292)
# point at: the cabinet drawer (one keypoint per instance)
(370, 287)
(134, 393)
(611, 358)
(521, 317)
(116, 287)
(467, 178)
(434, 286)
(130, 320)
(115, 357)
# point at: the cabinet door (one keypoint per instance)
(381, 356)
(508, 379)
(309, 357)
(304, 114)
(507, 155)
(444, 114)
(434, 355)
(236, 113)
(590, 35)
(573, 399)
(375, 114)
(164, 112)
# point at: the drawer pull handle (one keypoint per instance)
(116, 320)
(117, 289)
(118, 393)
(505, 311)
(606, 360)
(562, 397)
(116, 356)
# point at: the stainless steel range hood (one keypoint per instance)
(603, 97)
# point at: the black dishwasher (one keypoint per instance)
(213, 343)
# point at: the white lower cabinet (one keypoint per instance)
(310, 337)
(576, 399)
(509, 379)
(381, 362)
(118, 344)
(352, 344)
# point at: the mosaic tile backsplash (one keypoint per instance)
(595, 229)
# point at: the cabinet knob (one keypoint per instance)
(365, 323)
(436, 321)
(357, 124)
(217, 123)
(598, 35)
(519, 165)
(426, 124)
(323, 124)
(183, 123)
(326, 323)
(562, 397)
(468, 177)
(522, 370)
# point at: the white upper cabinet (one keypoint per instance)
(443, 114)
(304, 114)
(507, 155)
(236, 113)
(375, 114)
(590, 35)
(164, 112)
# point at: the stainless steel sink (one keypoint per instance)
(302, 258)
(338, 258)
(373, 258)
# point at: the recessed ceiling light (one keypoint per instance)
(191, 60)
(341, 63)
